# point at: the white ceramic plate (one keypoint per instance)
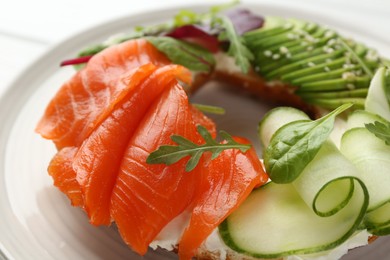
(36, 220)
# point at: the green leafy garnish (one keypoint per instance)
(380, 130)
(189, 55)
(170, 154)
(294, 145)
(237, 48)
(184, 17)
(210, 109)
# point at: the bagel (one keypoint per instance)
(109, 117)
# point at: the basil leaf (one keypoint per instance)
(294, 145)
(189, 55)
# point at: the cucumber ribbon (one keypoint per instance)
(317, 211)
(373, 156)
(339, 192)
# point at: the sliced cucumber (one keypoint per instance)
(361, 117)
(378, 221)
(276, 118)
(340, 126)
(316, 212)
(371, 156)
(275, 221)
(378, 96)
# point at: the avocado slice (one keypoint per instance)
(313, 58)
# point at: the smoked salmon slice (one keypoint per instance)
(225, 182)
(105, 122)
(147, 197)
(90, 95)
(98, 159)
(203, 120)
(64, 177)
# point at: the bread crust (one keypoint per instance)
(275, 93)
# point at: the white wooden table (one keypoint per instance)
(30, 28)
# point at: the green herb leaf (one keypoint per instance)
(294, 145)
(210, 109)
(237, 49)
(184, 17)
(170, 154)
(189, 55)
(380, 130)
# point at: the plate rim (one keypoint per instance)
(49, 57)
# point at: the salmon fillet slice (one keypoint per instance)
(90, 95)
(64, 177)
(98, 159)
(225, 183)
(147, 197)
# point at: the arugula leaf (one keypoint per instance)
(294, 145)
(380, 130)
(237, 49)
(170, 154)
(189, 55)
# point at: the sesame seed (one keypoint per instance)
(328, 60)
(348, 75)
(309, 38)
(292, 36)
(276, 56)
(267, 53)
(331, 42)
(350, 86)
(326, 68)
(283, 50)
(348, 66)
(329, 34)
(328, 50)
(311, 64)
(371, 55)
